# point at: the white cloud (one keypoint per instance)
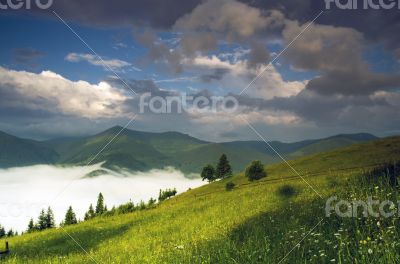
(239, 75)
(25, 191)
(50, 91)
(114, 64)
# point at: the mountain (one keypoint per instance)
(16, 151)
(141, 151)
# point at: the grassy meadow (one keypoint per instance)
(256, 222)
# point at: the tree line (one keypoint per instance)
(46, 218)
(254, 171)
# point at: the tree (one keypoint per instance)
(42, 221)
(31, 226)
(90, 213)
(2, 232)
(208, 173)
(70, 217)
(10, 233)
(50, 222)
(100, 209)
(255, 171)
(224, 169)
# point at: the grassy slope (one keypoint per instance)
(209, 225)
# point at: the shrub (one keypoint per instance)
(286, 190)
(229, 186)
(255, 171)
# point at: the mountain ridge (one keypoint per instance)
(142, 151)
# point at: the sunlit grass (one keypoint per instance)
(253, 223)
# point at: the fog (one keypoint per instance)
(24, 191)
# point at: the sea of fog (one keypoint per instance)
(24, 191)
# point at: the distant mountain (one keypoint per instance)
(141, 151)
(24, 152)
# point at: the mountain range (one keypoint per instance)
(142, 151)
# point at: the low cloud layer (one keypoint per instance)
(25, 191)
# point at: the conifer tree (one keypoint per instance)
(70, 217)
(42, 220)
(90, 213)
(100, 209)
(50, 222)
(31, 226)
(2, 232)
(224, 169)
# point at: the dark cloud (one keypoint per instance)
(217, 75)
(258, 55)
(27, 56)
(159, 52)
(354, 82)
(103, 13)
(199, 42)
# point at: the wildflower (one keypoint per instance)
(369, 251)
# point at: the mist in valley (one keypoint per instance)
(24, 191)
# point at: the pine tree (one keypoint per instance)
(10, 233)
(31, 226)
(100, 209)
(70, 217)
(2, 232)
(90, 213)
(224, 169)
(42, 221)
(50, 223)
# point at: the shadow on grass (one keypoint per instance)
(266, 237)
(60, 244)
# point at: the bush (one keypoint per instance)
(286, 190)
(255, 171)
(229, 186)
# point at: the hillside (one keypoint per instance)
(23, 152)
(142, 151)
(256, 222)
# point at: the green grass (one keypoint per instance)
(253, 223)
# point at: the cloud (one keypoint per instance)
(233, 19)
(27, 56)
(51, 92)
(336, 53)
(25, 191)
(236, 76)
(113, 64)
(159, 52)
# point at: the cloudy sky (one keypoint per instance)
(80, 67)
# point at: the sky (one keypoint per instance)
(80, 67)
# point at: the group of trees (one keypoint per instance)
(45, 221)
(254, 171)
(46, 218)
(9, 233)
(168, 193)
(223, 170)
